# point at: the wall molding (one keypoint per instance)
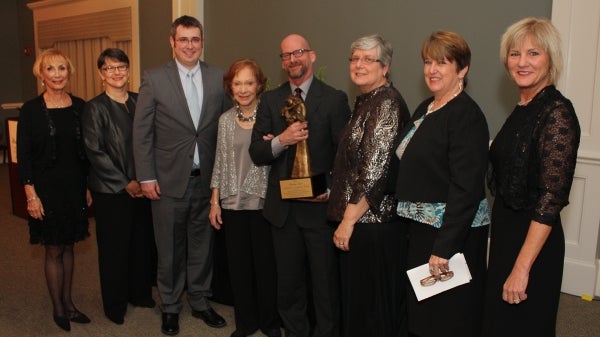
(47, 3)
(113, 23)
(578, 22)
(48, 10)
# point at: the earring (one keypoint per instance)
(460, 84)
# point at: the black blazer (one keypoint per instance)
(446, 161)
(327, 113)
(107, 135)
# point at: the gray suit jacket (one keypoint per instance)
(163, 131)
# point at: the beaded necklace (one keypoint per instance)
(242, 118)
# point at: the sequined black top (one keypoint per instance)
(365, 154)
(534, 154)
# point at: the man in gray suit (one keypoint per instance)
(301, 236)
(175, 132)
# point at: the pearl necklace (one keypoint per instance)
(430, 108)
(242, 118)
(521, 103)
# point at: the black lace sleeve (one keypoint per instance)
(556, 157)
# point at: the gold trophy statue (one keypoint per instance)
(302, 184)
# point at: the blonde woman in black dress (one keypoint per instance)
(533, 158)
(52, 168)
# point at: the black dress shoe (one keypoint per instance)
(115, 318)
(170, 324)
(210, 317)
(77, 316)
(62, 322)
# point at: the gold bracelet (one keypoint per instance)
(31, 199)
(214, 203)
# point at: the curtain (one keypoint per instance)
(85, 81)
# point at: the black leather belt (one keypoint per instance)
(195, 173)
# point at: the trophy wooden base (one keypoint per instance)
(297, 188)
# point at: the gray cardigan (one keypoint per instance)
(224, 173)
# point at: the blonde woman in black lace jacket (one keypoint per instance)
(533, 158)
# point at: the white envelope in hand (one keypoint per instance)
(457, 264)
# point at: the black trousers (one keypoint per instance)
(126, 250)
(307, 278)
(252, 270)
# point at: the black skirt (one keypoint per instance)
(458, 311)
(535, 316)
(373, 281)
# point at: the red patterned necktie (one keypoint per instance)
(298, 93)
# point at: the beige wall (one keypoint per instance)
(242, 28)
(18, 81)
(155, 21)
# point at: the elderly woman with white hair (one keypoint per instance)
(369, 235)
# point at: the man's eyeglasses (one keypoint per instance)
(111, 69)
(364, 60)
(297, 53)
(431, 280)
(194, 40)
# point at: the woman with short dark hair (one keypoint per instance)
(126, 249)
(238, 195)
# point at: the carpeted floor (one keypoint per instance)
(25, 308)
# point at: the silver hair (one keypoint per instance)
(383, 47)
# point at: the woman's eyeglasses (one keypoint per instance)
(431, 280)
(111, 69)
(363, 60)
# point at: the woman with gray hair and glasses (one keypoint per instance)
(362, 204)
